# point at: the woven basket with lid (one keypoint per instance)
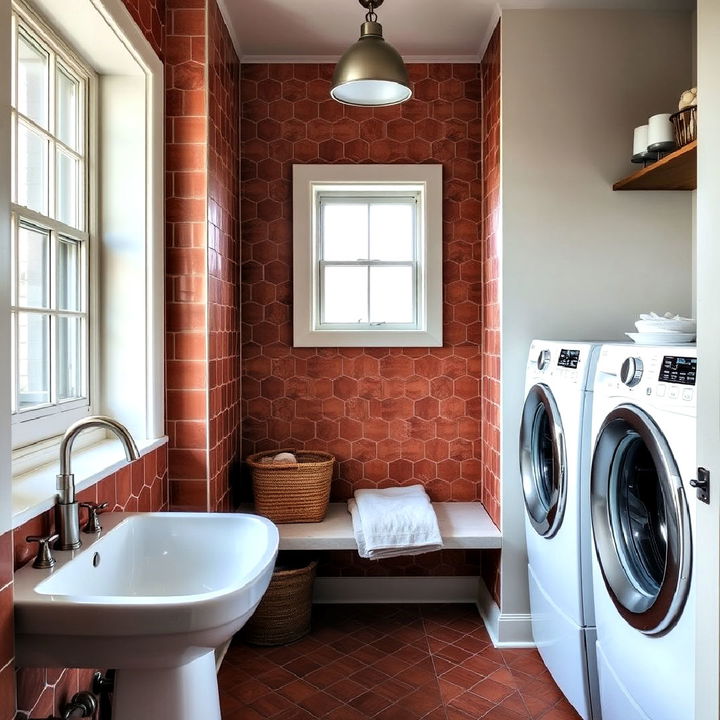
(292, 492)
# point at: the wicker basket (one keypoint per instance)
(292, 492)
(685, 125)
(283, 614)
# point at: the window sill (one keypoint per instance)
(34, 492)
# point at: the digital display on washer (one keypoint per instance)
(569, 358)
(678, 369)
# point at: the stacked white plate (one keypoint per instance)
(654, 329)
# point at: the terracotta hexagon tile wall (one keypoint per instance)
(491, 243)
(390, 415)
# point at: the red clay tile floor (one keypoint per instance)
(390, 662)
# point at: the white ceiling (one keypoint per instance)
(317, 30)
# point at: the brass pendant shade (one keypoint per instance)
(371, 73)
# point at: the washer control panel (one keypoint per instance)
(660, 375)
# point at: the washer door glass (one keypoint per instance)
(543, 461)
(640, 521)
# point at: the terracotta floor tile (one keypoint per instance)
(297, 690)
(390, 663)
(320, 703)
(471, 704)
(347, 689)
(494, 691)
(277, 677)
(370, 703)
(562, 711)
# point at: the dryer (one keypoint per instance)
(554, 466)
(643, 510)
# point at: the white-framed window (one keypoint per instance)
(51, 191)
(118, 232)
(367, 255)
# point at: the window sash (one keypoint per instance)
(344, 197)
(60, 59)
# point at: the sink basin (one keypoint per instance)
(153, 596)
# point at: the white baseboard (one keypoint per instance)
(415, 590)
(506, 630)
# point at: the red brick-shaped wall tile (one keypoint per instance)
(223, 251)
(7, 651)
(186, 253)
(150, 18)
(140, 486)
(390, 415)
(491, 248)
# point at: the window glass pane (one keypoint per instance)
(67, 189)
(33, 362)
(32, 81)
(345, 295)
(32, 172)
(33, 268)
(68, 270)
(345, 231)
(69, 354)
(67, 91)
(391, 231)
(391, 295)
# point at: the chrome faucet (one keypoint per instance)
(67, 521)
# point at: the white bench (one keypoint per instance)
(463, 526)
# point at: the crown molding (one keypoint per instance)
(492, 24)
(222, 6)
(332, 59)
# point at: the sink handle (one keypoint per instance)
(93, 526)
(44, 558)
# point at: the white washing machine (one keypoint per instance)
(554, 466)
(643, 511)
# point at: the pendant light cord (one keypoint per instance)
(371, 15)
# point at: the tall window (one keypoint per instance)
(50, 234)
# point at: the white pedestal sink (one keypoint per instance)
(152, 597)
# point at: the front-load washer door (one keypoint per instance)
(543, 461)
(640, 520)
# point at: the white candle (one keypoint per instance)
(640, 140)
(660, 129)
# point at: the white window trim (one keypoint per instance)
(308, 181)
(109, 40)
(35, 426)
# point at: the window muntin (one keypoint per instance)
(368, 249)
(49, 215)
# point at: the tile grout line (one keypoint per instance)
(432, 660)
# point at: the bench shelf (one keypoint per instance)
(463, 526)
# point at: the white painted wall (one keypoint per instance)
(706, 560)
(578, 260)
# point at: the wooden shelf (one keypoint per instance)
(463, 525)
(676, 171)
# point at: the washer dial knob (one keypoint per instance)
(632, 371)
(543, 359)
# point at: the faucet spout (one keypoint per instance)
(95, 421)
(68, 525)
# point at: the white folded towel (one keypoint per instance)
(394, 521)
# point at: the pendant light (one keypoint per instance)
(371, 73)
